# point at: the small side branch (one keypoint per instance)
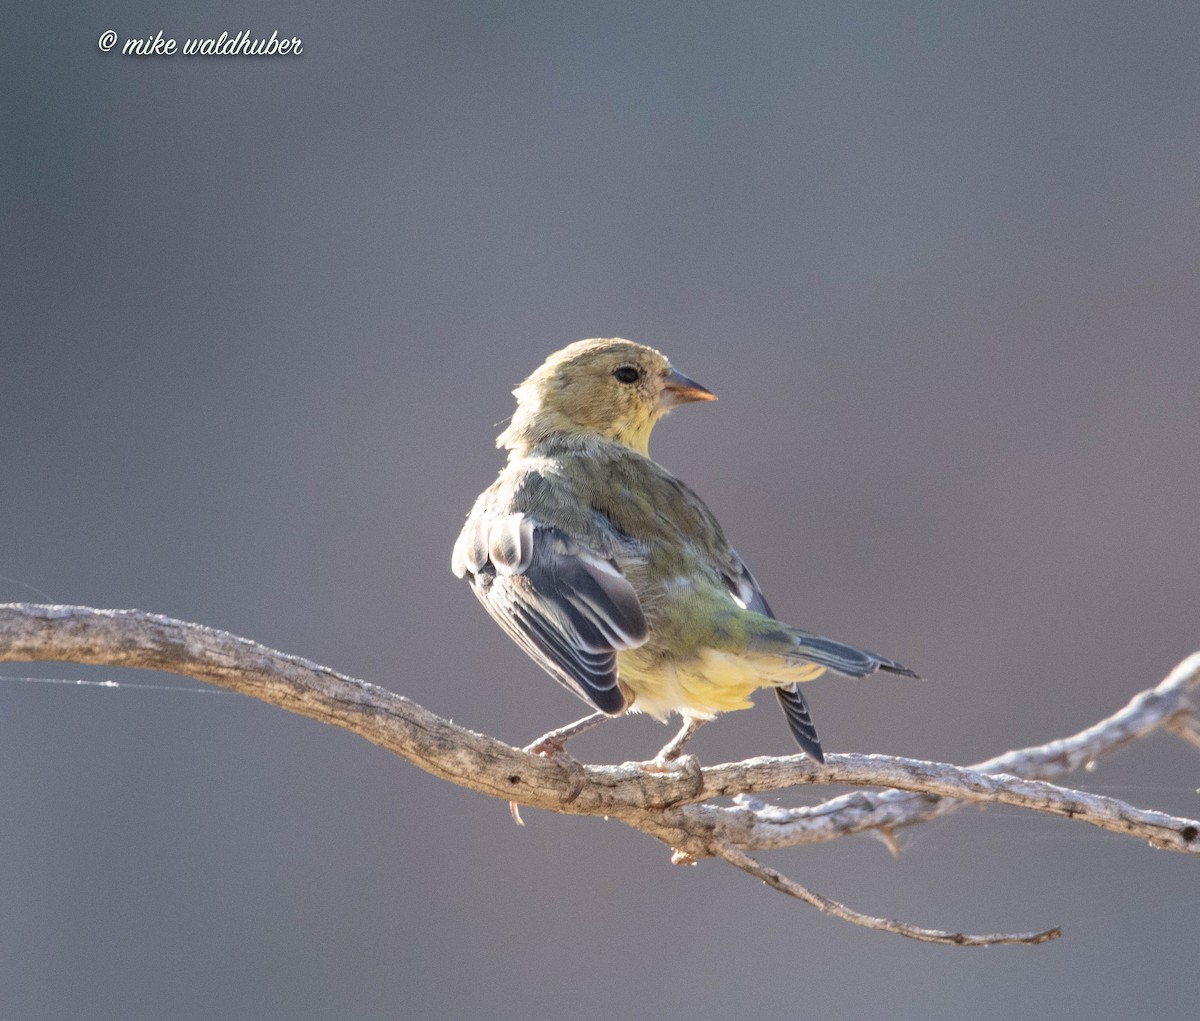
(781, 883)
(755, 826)
(1186, 726)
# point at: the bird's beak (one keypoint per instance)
(678, 389)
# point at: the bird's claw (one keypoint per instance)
(688, 765)
(553, 746)
(547, 747)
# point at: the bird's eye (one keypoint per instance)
(626, 374)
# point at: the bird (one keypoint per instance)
(613, 575)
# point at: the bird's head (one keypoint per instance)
(611, 388)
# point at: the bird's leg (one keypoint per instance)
(673, 748)
(555, 741)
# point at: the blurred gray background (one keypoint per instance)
(259, 323)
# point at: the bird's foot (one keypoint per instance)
(554, 746)
(554, 743)
(555, 750)
(547, 746)
(688, 765)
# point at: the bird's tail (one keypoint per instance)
(814, 651)
(800, 720)
(842, 658)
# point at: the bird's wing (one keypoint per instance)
(567, 606)
(743, 587)
(698, 524)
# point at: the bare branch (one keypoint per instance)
(758, 826)
(838, 910)
(666, 806)
(1168, 706)
(1186, 726)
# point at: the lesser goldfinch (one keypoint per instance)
(612, 574)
